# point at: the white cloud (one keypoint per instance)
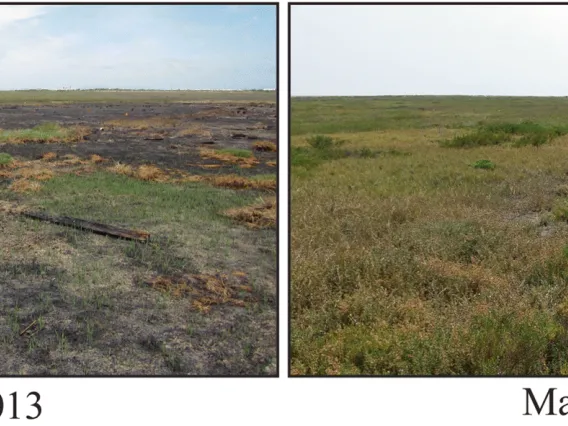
(112, 51)
(11, 14)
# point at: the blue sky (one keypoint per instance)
(131, 47)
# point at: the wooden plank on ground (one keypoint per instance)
(86, 225)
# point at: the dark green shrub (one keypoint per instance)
(478, 138)
(323, 142)
(483, 164)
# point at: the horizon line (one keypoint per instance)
(430, 95)
(136, 90)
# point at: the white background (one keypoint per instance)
(281, 400)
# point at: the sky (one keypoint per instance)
(137, 47)
(429, 50)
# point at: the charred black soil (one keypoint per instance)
(77, 303)
(168, 135)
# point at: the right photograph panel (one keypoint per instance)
(429, 190)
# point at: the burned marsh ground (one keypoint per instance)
(199, 297)
(429, 236)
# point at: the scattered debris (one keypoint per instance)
(31, 329)
(97, 228)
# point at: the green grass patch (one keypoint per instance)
(328, 115)
(536, 139)
(321, 148)
(309, 158)
(115, 198)
(478, 138)
(483, 164)
(324, 142)
(560, 210)
(519, 134)
(44, 133)
(5, 159)
(241, 153)
(267, 176)
(324, 148)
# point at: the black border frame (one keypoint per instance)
(343, 3)
(276, 4)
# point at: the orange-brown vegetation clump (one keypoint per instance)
(259, 215)
(265, 146)
(95, 158)
(194, 130)
(150, 173)
(24, 185)
(121, 169)
(37, 173)
(240, 182)
(49, 156)
(206, 290)
(225, 157)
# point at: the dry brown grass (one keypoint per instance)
(12, 207)
(34, 172)
(194, 130)
(150, 173)
(95, 158)
(225, 157)
(42, 169)
(121, 169)
(472, 274)
(206, 290)
(240, 182)
(271, 163)
(213, 112)
(265, 146)
(258, 126)
(24, 185)
(72, 160)
(259, 215)
(49, 156)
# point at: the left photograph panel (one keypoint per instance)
(138, 187)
